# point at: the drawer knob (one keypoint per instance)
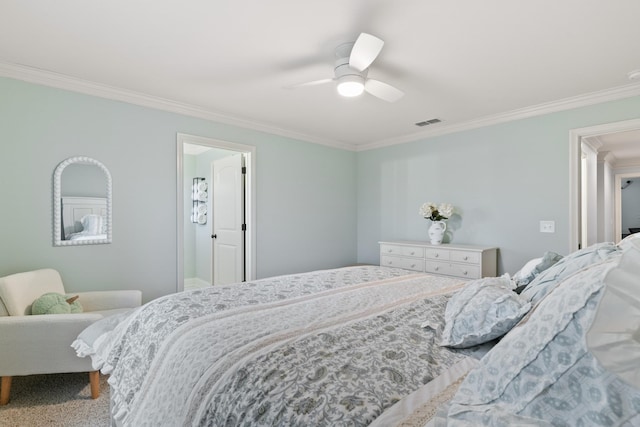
(389, 250)
(436, 269)
(436, 255)
(413, 265)
(465, 273)
(465, 258)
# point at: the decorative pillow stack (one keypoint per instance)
(548, 370)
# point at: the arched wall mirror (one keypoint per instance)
(81, 203)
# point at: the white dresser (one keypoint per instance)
(468, 261)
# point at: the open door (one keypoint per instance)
(189, 253)
(228, 220)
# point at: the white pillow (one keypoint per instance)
(614, 336)
(526, 269)
(629, 241)
(533, 268)
(19, 291)
(92, 224)
(483, 310)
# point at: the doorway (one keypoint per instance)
(628, 203)
(195, 245)
(595, 212)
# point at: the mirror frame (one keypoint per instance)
(57, 203)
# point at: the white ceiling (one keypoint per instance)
(466, 62)
(624, 146)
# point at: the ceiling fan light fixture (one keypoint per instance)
(350, 86)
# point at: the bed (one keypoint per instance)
(381, 346)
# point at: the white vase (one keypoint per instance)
(436, 232)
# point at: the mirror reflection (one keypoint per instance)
(82, 202)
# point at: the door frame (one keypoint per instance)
(250, 200)
(575, 153)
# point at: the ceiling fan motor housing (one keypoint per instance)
(343, 69)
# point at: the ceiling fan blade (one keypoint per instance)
(365, 50)
(383, 90)
(312, 83)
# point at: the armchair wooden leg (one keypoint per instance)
(94, 379)
(5, 389)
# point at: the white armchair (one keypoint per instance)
(41, 344)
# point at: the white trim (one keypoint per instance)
(48, 78)
(250, 207)
(575, 138)
(61, 81)
(624, 164)
(592, 98)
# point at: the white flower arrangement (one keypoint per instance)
(436, 212)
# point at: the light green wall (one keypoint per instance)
(503, 178)
(317, 207)
(306, 214)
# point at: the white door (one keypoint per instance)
(228, 220)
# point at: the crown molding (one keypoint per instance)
(62, 81)
(624, 164)
(592, 98)
(607, 157)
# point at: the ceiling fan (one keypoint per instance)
(351, 69)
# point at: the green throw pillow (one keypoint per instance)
(54, 303)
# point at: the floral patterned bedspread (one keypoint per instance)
(332, 348)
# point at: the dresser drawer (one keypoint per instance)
(406, 263)
(411, 251)
(465, 261)
(453, 269)
(438, 254)
(465, 256)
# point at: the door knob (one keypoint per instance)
(214, 236)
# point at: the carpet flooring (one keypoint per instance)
(56, 400)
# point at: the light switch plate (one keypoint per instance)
(547, 226)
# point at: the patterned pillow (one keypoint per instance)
(533, 268)
(483, 310)
(572, 263)
(541, 372)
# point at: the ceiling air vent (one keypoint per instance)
(428, 122)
